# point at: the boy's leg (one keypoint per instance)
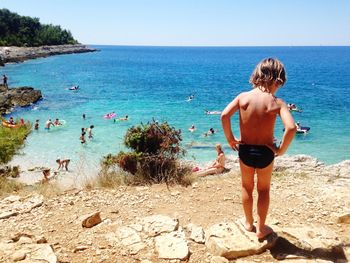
(263, 186)
(247, 174)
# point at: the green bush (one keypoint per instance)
(154, 156)
(11, 140)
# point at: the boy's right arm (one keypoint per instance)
(226, 122)
(289, 128)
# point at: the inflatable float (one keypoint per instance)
(9, 125)
(110, 115)
(59, 126)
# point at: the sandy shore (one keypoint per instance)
(20, 54)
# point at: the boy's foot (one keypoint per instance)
(263, 233)
(248, 227)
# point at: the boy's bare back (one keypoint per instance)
(258, 110)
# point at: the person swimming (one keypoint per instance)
(192, 128)
(57, 122)
(210, 132)
(36, 125)
(74, 87)
(48, 124)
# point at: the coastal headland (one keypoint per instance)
(19, 54)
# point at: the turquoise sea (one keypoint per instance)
(155, 82)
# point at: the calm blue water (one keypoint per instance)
(154, 82)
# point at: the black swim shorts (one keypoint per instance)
(257, 156)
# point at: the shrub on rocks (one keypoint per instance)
(154, 156)
(11, 140)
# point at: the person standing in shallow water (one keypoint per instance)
(258, 110)
(4, 81)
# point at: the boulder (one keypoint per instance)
(157, 224)
(230, 240)
(21, 96)
(197, 233)
(172, 245)
(308, 237)
(91, 220)
(130, 239)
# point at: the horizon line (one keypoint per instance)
(214, 46)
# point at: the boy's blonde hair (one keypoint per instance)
(268, 72)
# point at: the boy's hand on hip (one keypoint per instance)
(234, 144)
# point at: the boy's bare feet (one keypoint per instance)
(247, 226)
(263, 232)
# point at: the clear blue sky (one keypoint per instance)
(195, 22)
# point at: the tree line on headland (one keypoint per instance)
(16, 30)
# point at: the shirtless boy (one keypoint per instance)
(258, 110)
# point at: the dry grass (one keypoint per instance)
(9, 186)
(47, 189)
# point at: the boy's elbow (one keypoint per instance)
(291, 128)
(224, 117)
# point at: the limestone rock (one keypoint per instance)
(80, 248)
(24, 240)
(309, 237)
(92, 220)
(157, 224)
(21, 96)
(130, 239)
(11, 199)
(172, 245)
(18, 256)
(344, 218)
(231, 241)
(216, 259)
(15, 206)
(7, 214)
(197, 233)
(43, 252)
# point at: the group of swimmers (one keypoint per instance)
(211, 131)
(83, 133)
(48, 124)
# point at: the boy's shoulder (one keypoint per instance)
(280, 101)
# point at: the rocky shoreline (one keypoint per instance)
(20, 54)
(20, 96)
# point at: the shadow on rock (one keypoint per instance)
(283, 249)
